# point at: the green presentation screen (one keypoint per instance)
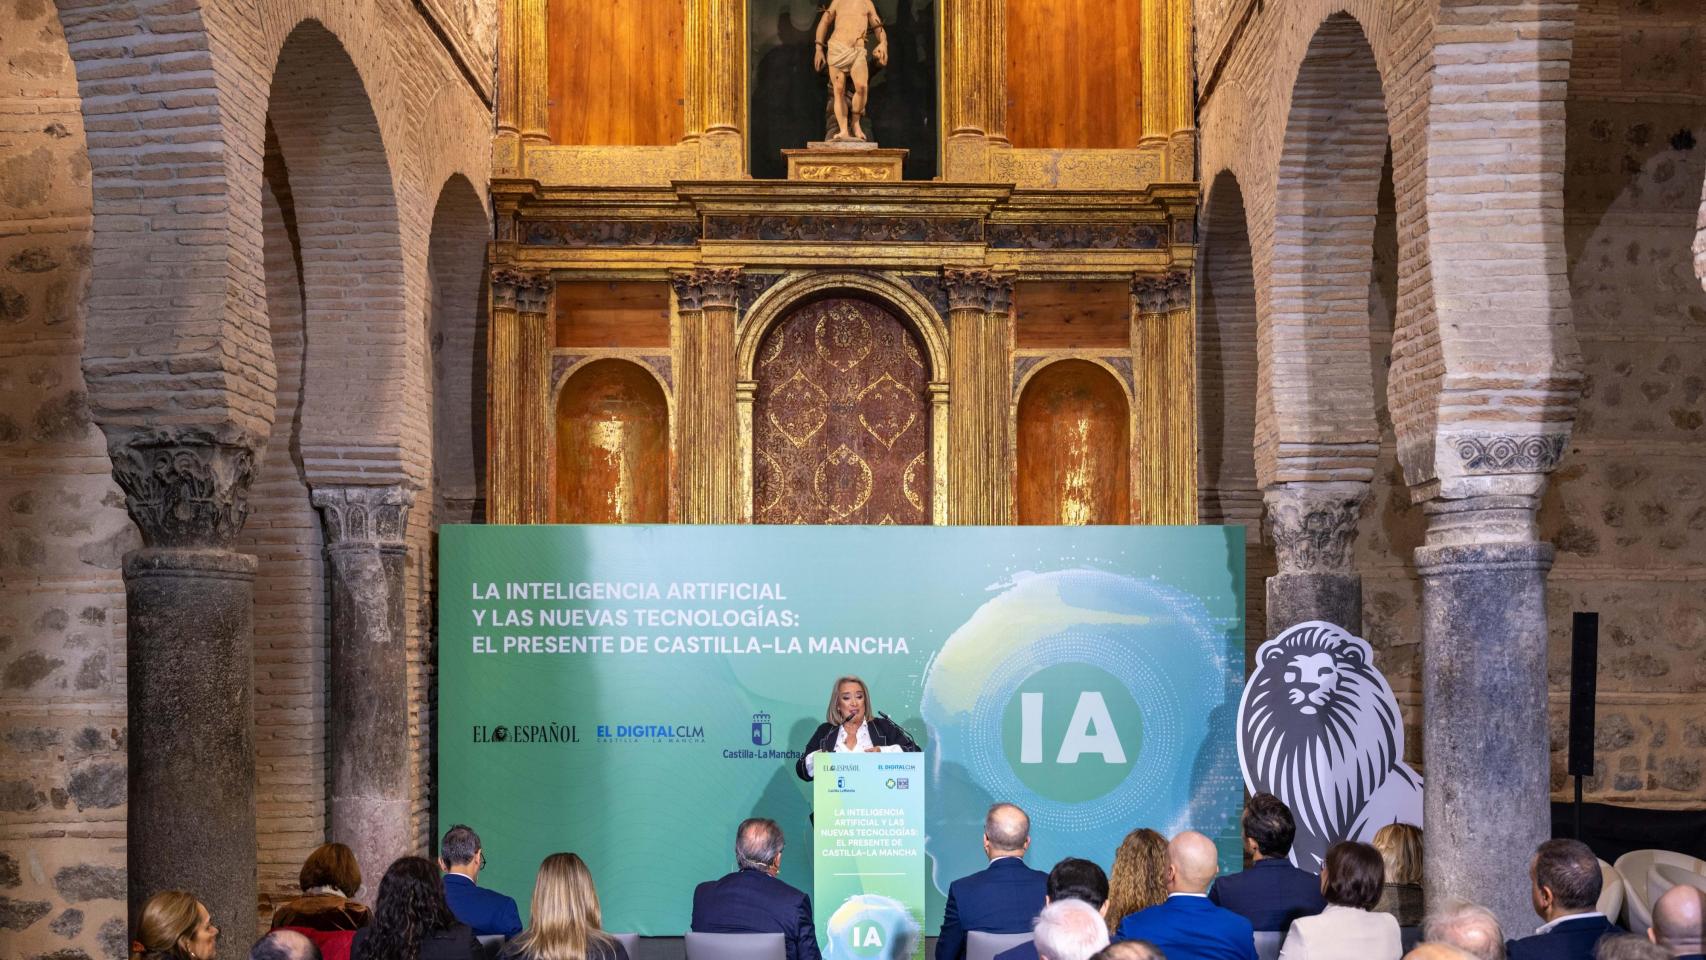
(631, 693)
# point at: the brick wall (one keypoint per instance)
(62, 530)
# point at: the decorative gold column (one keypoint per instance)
(716, 78)
(518, 442)
(535, 70)
(706, 304)
(979, 325)
(1169, 93)
(506, 145)
(975, 86)
(1164, 346)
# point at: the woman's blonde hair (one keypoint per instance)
(168, 919)
(1139, 879)
(1400, 845)
(831, 715)
(566, 920)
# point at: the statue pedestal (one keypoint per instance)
(845, 161)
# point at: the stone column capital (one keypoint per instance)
(984, 290)
(185, 487)
(522, 290)
(363, 516)
(708, 287)
(1162, 292)
(1313, 526)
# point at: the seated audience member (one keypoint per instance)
(174, 926)
(1677, 922)
(1186, 926)
(284, 945)
(1003, 897)
(1349, 928)
(1564, 884)
(752, 900)
(1468, 927)
(488, 912)
(1130, 950)
(1437, 951)
(1139, 877)
(1070, 930)
(411, 920)
(1071, 879)
(1628, 946)
(1272, 893)
(564, 921)
(330, 877)
(1400, 845)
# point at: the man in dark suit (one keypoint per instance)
(752, 900)
(488, 912)
(1186, 926)
(1677, 923)
(1003, 897)
(1272, 893)
(1564, 882)
(1071, 879)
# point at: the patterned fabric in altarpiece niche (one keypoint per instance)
(841, 419)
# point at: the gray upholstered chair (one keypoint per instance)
(984, 946)
(630, 942)
(736, 946)
(1268, 943)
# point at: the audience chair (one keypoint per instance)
(1268, 943)
(490, 945)
(736, 946)
(984, 946)
(1636, 867)
(630, 942)
(1611, 893)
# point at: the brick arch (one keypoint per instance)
(1315, 416)
(1226, 338)
(456, 337)
(358, 381)
(1492, 352)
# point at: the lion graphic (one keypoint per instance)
(1319, 728)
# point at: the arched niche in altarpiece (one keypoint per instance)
(1074, 446)
(612, 451)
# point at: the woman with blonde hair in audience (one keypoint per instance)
(1139, 878)
(329, 879)
(1400, 846)
(565, 921)
(174, 926)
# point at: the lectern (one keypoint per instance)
(868, 854)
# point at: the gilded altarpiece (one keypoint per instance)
(911, 306)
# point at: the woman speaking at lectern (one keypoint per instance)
(851, 726)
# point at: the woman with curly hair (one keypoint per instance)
(411, 921)
(1139, 878)
(174, 926)
(565, 921)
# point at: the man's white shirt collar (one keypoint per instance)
(1548, 927)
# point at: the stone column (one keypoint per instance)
(1313, 527)
(1486, 807)
(533, 32)
(979, 312)
(706, 302)
(1163, 344)
(519, 451)
(369, 716)
(190, 674)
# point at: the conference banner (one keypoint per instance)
(631, 693)
(868, 854)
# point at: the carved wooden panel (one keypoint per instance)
(1074, 447)
(617, 73)
(1074, 73)
(612, 446)
(1071, 315)
(841, 419)
(613, 313)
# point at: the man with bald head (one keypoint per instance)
(1468, 927)
(1186, 926)
(284, 945)
(1439, 951)
(1677, 920)
(1005, 896)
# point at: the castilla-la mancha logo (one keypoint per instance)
(761, 729)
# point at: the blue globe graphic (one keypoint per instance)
(1159, 643)
(850, 929)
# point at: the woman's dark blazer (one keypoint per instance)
(454, 943)
(884, 733)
